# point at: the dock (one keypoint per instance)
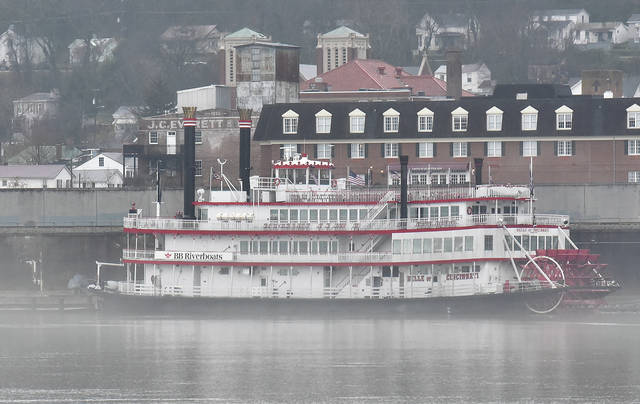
(47, 301)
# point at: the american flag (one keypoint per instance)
(355, 179)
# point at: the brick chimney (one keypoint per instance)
(454, 74)
(380, 69)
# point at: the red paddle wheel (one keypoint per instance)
(578, 270)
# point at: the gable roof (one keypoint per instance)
(372, 74)
(341, 32)
(246, 33)
(560, 11)
(189, 32)
(31, 171)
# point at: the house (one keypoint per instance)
(634, 26)
(17, 49)
(629, 87)
(99, 50)
(575, 15)
(368, 75)
(196, 43)
(476, 78)
(35, 176)
(339, 46)
(439, 32)
(557, 34)
(125, 122)
(102, 171)
(227, 48)
(27, 111)
(602, 34)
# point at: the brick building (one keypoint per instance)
(572, 139)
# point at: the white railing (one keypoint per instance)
(381, 224)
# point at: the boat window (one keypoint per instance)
(313, 215)
(424, 212)
(343, 215)
(333, 247)
(406, 246)
(254, 247)
(273, 214)
(426, 245)
(555, 242)
(434, 212)
(448, 244)
(303, 247)
(397, 246)
(468, 243)
(444, 211)
(525, 242)
(284, 215)
(458, 244)
(455, 211)
(304, 215)
(437, 245)
(323, 215)
(323, 247)
(363, 214)
(293, 215)
(301, 176)
(417, 246)
(413, 213)
(224, 271)
(264, 247)
(333, 215)
(324, 177)
(274, 247)
(284, 247)
(534, 243)
(518, 242)
(314, 247)
(353, 215)
(488, 242)
(244, 247)
(509, 241)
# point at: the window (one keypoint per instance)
(494, 119)
(425, 150)
(564, 118)
(198, 168)
(390, 150)
(529, 118)
(633, 147)
(391, 120)
(255, 75)
(323, 122)
(425, 120)
(324, 151)
(100, 161)
(459, 120)
(59, 183)
(153, 137)
(356, 121)
(198, 137)
(358, 151)
(288, 150)
(529, 148)
(289, 122)
(459, 149)
(488, 242)
(494, 149)
(564, 148)
(468, 243)
(634, 177)
(633, 117)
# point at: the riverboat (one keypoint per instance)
(303, 238)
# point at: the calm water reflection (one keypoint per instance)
(66, 358)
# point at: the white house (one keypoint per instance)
(100, 50)
(476, 78)
(102, 171)
(575, 15)
(35, 176)
(634, 26)
(602, 33)
(17, 49)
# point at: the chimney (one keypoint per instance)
(454, 74)
(380, 69)
(189, 161)
(404, 161)
(245, 149)
(398, 72)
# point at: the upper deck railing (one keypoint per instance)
(332, 226)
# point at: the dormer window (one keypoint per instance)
(391, 120)
(290, 122)
(633, 117)
(356, 121)
(323, 122)
(425, 120)
(494, 119)
(529, 118)
(459, 119)
(564, 118)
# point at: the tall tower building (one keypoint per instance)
(228, 48)
(339, 46)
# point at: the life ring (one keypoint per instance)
(469, 210)
(334, 183)
(276, 182)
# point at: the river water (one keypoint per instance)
(97, 358)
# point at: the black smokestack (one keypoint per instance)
(454, 74)
(245, 149)
(404, 160)
(189, 154)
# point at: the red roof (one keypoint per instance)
(372, 74)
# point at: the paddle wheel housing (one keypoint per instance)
(584, 277)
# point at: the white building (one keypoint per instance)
(575, 15)
(207, 97)
(476, 78)
(228, 47)
(100, 50)
(102, 171)
(634, 26)
(17, 49)
(339, 46)
(35, 176)
(602, 33)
